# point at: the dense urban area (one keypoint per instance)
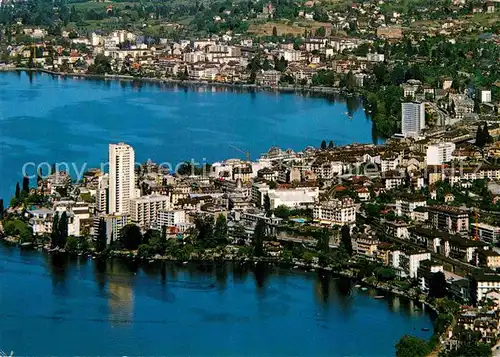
(417, 216)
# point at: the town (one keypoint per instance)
(418, 215)
(445, 58)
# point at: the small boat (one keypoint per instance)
(425, 329)
(151, 261)
(357, 286)
(364, 288)
(184, 263)
(379, 297)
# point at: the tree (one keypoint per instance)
(101, 65)
(385, 273)
(101, 236)
(131, 237)
(62, 229)
(18, 191)
(323, 145)
(331, 144)
(205, 228)
(480, 139)
(275, 31)
(437, 285)
(220, 231)
(410, 346)
(267, 204)
(39, 177)
(323, 244)
(54, 235)
(346, 242)
(259, 235)
(282, 211)
(71, 244)
(350, 81)
(26, 185)
(486, 135)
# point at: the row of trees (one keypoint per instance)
(330, 145)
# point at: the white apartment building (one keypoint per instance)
(101, 195)
(194, 57)
(375, 57)
(293, 198)
(485, 96)
(440, 153)
(144, 210)
(291, 55)
(335, 212)
(41, 221)
(407, 264)
(114, 225)
(170, 218)
(173, 218)
(406, 205)
(412, 118)
(121, 178)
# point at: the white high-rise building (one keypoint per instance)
(412, 118)
(440, 153)
(121, 178)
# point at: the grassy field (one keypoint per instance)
(89, 5)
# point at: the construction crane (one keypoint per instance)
(247, 153)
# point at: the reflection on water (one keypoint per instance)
(260, 273)
(58, 264)
(119, 307)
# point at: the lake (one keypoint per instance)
(51, 306)
(59, 306)
(47, 119)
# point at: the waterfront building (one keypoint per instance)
(365, 245)
(413, 118)
(41, 221)
(144, 210)
(407, 263)
(426, 271)
(114, 224)
(121, 178)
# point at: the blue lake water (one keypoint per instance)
(84, 307)
(51, 119)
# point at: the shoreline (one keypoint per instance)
(301, 266)
(242, 86)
